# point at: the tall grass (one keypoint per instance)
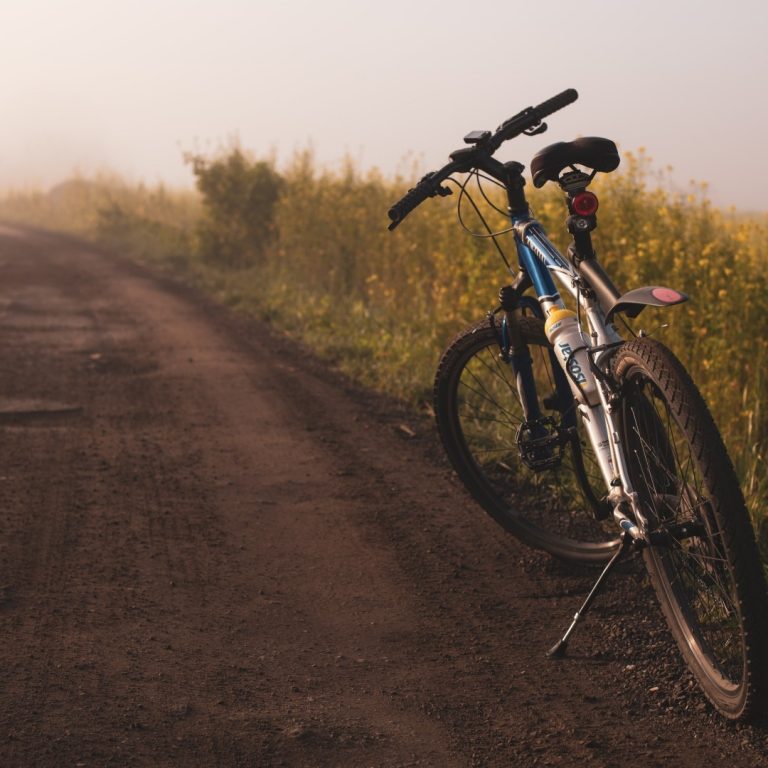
(308, 249)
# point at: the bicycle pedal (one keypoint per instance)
(540, 444)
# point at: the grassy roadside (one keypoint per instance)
(308, 249)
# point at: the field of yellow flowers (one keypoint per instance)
(382, 305)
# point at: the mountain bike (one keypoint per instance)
(589, 445)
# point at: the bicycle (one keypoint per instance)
(611, 436)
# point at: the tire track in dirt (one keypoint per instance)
(217, 552)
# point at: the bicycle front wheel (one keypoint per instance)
(479, 415)
(705, 568)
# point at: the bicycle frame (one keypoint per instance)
(540, 260)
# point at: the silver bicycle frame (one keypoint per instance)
(541, 259)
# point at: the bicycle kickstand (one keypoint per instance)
(558, 650)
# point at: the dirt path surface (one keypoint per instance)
(214, 552)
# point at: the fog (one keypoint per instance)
(88, 86)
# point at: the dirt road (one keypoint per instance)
(214, 552)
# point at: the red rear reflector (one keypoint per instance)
(667, 295)
(584, 204)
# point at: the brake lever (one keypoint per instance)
(536, 130)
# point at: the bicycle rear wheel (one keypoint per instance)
(706, 570)
(479, 415)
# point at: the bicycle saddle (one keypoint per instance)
(591, 151)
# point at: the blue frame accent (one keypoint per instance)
(542, 280)
(543, 283)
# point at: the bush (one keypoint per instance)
(239, 197)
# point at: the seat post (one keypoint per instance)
(580, 228)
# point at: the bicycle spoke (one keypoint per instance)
(490, 414)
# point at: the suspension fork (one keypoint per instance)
(515, 351)
(522, 365)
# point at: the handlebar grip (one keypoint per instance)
(556, 102)
(412, 198)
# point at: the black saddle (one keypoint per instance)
(591, 151)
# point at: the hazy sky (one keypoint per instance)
(89, 84)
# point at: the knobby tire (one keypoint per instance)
(710, 583)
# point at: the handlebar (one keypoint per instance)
(529, 120)
(428, 186)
